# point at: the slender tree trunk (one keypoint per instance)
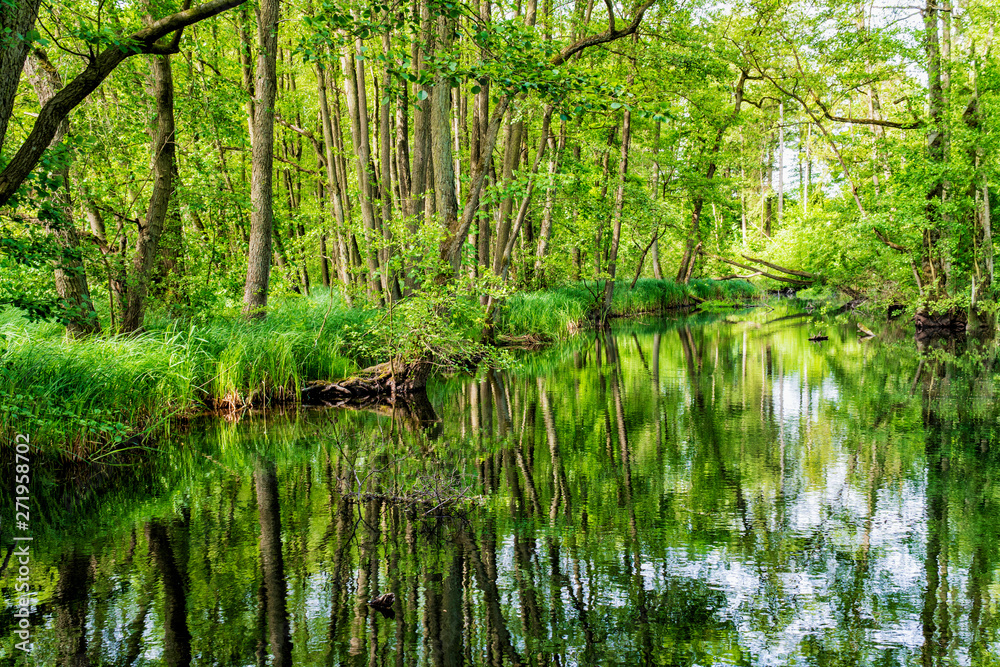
(69, 272)
(334, 186)
(767, 190)
(422, 113)
(403, 173)
(781, 162)
(657, 268)
(605, 179)
(324, 266)
(441, 149)
(451, 247)
(545, 231)
(390, 283)
(262, 148)
(616, 233)
(357, 108)
(934, 277)
(477, 159)
(698, 201)
(148, 240)
(511, 158)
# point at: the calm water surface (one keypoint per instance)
(679, 492)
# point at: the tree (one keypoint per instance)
(55, 110)
(262, 145)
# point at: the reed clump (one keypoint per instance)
(561, 311)
(82, 396)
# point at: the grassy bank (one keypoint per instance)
(560, 311)
(89, 397)
(83, 396)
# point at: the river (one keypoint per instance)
(709, 490)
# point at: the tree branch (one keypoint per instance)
(885, 239)
(609, 35)
(74, 92)
(784, 279)
(866, 121)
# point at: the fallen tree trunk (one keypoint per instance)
(791, 272)
(392, 378)
(784, 279)
(736, 276)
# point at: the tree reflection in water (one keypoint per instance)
(682, 493)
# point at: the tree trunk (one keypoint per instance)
(545, 231)
(334, 187)
(934, 275)
(781, 162)
(357, 108)
(69, 272)
(698, 200)
(170, 267)
(451, 247)
(148, 241)
(616, 232)
(16, 20)
(262, 150)
(403, 174)
(441, 151)
(605, 178)
(511, 158)
(422, 113)
(390, 283)
(477, 142)
(657, 269)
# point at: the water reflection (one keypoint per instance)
(678, 493)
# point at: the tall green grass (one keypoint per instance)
(559, 312)
(86, 397)
(82, 396)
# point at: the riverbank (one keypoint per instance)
(86, 398)
(562, 311)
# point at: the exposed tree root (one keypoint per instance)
(953, 320)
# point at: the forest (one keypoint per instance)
(268, 194)
(500, 332)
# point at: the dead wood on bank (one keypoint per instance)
(392, 378)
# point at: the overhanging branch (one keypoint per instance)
(74, 92)
(608, 35)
